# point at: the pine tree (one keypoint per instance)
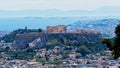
(114, 45)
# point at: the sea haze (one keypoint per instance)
(9, 24)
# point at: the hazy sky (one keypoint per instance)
(32, 8)
(56, 4)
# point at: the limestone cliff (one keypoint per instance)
(38, 40)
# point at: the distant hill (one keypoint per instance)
(102, 11)
(105, 26)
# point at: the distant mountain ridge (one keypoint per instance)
(105, 26)
(103, 11)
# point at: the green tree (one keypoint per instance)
(114, 45)
(39, 30)
(83, 50)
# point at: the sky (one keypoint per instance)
(53, 8)
(20, 7)
(56, 4)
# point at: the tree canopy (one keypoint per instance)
(11, 36)
(114, 45)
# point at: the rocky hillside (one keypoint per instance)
(39, 40)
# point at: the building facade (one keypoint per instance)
(56, 29)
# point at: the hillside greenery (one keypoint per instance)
(114, 45)
(70, 44)
(11, 36)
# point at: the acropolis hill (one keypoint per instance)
(63, 29)
(40, 39)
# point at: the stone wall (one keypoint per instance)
(56, 29)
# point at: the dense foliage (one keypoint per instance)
(11, 36)
(70, 44)
(114, 45)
